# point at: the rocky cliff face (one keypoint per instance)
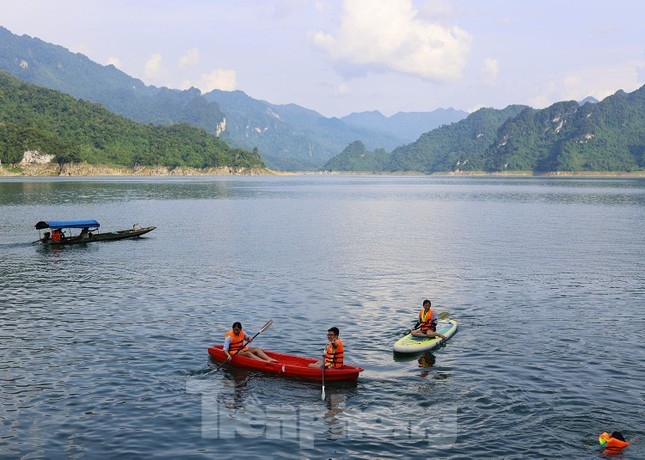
(35, 157)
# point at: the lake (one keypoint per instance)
(103, 346)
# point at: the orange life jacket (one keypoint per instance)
(56, 235)
(613, 445)
(237, 342)
(425, 321)
(334, 357)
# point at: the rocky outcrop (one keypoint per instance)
(35, 157)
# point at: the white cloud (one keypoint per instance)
(391, 35)
(116, 62)
(342, 89)
(154, 70)
(474, 108)
(223, 79)
(490, 71)
(190, 59)
(597, 81)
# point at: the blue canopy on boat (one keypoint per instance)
(89, 223)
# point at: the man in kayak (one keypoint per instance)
(234, 345)
(427, 324)
(334, 353)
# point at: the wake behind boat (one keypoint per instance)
(289, 366)
(61, 232)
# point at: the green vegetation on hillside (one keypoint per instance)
(51, 66)
(604, 136)
(35, 118)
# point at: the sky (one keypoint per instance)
(343, 56)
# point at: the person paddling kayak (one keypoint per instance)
(334, 353)
(234, 345)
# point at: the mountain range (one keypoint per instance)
(596, 136)
(288, 137)
(588, 135)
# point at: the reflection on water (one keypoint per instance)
(426, 361)
(335, 405)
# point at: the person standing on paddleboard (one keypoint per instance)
(427, 324)
(334, 353)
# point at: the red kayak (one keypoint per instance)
(289, 366)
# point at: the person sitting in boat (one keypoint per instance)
(57, 235)
(85, 233)
(427, 324)
(234, 344)
(46, 237)
(334, 353)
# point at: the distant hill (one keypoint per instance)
(288, 137)
(51, 123)
(407, 126)
(605, 136)
(436, 150)
(590, 99)
(295, 138)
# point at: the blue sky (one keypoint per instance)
(338, 57)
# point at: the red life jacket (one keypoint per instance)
(425, 321)
(56, 235)
(334, 357)
(237, 342)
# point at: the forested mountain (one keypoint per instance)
(568, 136)
(437, 150)
(295, 138)
(288, 137)
(603, 136)
(33, 118)
(55, 67)
(291, 137)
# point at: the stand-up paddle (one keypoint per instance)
(262, 329)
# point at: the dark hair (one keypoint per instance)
(236, 324)
(334, 330)
(427, 301)
(618, 435)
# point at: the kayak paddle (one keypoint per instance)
(322, 396)
(442, 316)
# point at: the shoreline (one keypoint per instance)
(87, 170)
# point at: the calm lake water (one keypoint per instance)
(103, 347)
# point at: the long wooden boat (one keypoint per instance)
(289, 366)
(89, 232)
